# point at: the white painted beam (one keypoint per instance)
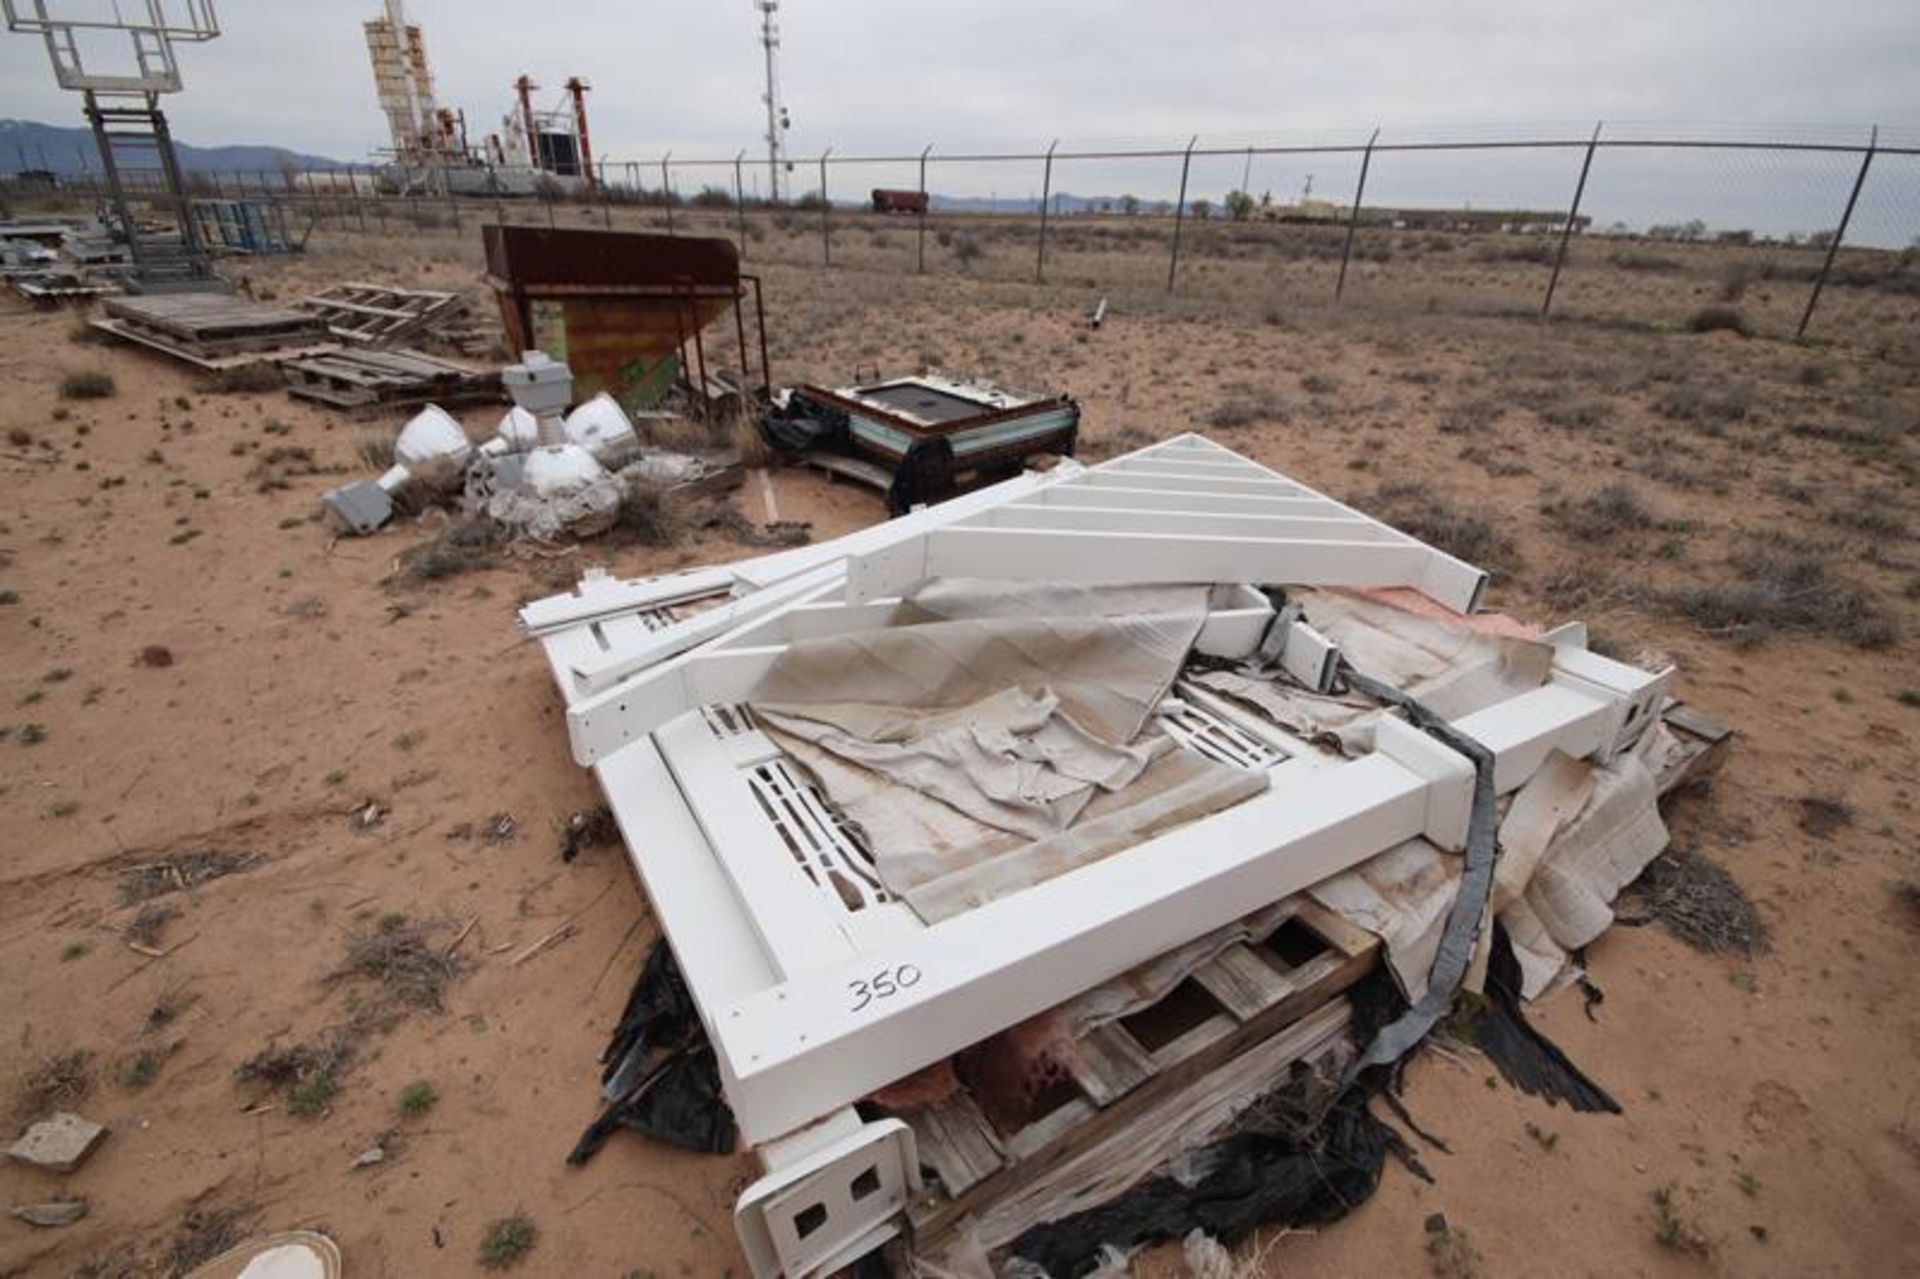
(798, 930)
(1119, 519)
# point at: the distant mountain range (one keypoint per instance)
(28, 144)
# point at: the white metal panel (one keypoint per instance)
(720, 954)
(1119, 558)
(796, 1052)
(1118, 519)
(799, 933)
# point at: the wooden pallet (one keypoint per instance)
(1261, 1007)
(388, 379)
(1129, 1070)
(214, 330)
(379, 315)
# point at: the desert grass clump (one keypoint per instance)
(1786, 592)
(506, 1241)
(1719, 319)
(1602, 515)
(1699, 901)
(53, 1083)
(1437, 520)
(88, 384)
(247, 379)
(398, 956)
(463, 546)
(416, 1099)
(1246, 404)
(654, 516)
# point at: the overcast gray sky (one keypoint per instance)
(894, 75)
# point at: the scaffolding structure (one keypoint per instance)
(122, 98)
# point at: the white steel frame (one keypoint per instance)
(810, 1008)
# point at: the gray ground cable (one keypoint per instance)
(1398, 1037)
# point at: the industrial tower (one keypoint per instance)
(777, 122)
(123, 106)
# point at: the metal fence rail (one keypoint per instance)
(367, 198)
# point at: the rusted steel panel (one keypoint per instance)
(613, 305)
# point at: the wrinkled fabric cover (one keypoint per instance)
(990, 721)
(1561, 904)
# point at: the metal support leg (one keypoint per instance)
(1180, 211)
(1046, 198)
(926, 203)
(1353, 215)
(826, 233)
(1573, 216)
(1839, 232)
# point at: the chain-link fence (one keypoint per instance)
(1788, 232)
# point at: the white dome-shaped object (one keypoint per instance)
(560, 468)
(519, 430)
(433, 448)
(601, 427)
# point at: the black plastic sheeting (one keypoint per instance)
(660, 1076)
(1277, 1170)
(804, 425)
(1524, 1057)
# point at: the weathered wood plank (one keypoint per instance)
(1111, 1063)
(1245, 984)
(957, 1142)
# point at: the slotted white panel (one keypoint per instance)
(1218, 738)
(819, 838)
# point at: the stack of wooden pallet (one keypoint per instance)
(380, 315)
(388, 380)
(1227, 1033)
(215, 330)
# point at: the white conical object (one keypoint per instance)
(433, 448)
(519, 430)
(601, 427)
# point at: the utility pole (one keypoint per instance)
(777, 122)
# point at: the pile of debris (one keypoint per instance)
(546, 473)
(1068, 864)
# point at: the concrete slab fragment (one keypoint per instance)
(59, 1143)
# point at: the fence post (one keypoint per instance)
(826, 234)
(1839, 233)
(1353, 214)
(926, 206)
(1180, 211)
(1046, 198)
(666, 188)
(1573, 215)
(740, 202)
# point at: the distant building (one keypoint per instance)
(890, 201)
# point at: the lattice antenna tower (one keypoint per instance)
(122, 96)
(777, 121)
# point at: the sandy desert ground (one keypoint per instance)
(195, 674)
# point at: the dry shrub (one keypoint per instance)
(374, 449)
(680, 434)
(206, 1233)
(1246, 404)
(399, 956)
(653, 515)
(1719, 319)
(1789, 592)
(88, 384)
(1603, 514)
(1416, 510)
(151, 922)
(749, 443)
(463, 546)
(247, 379)
(1700, 902)
(53, 1083)
(182, 871)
